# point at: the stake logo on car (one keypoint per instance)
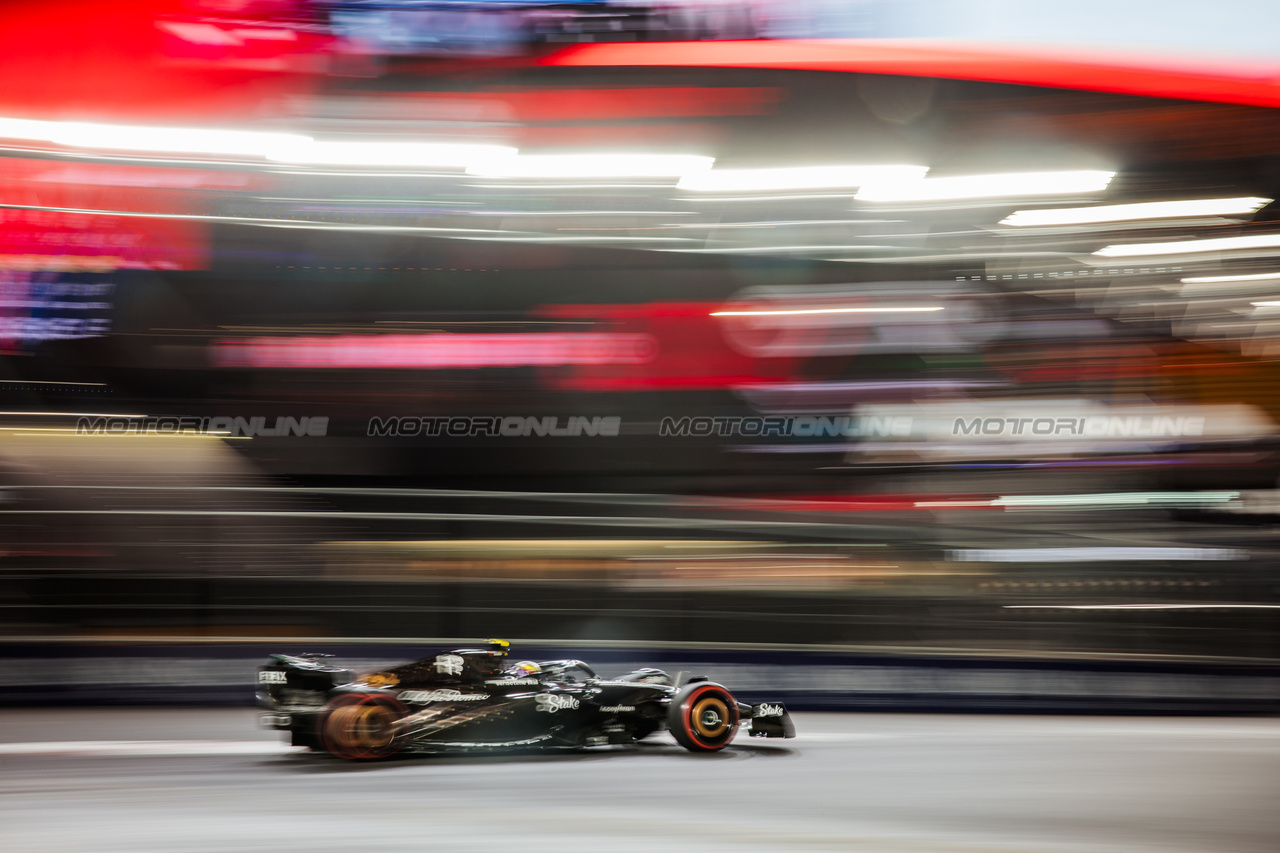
(552, 703)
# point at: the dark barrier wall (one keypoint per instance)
(826, 679)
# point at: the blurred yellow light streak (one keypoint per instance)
(896, 310)
(1129, 212)
(753, 568)
(38, 429)
(588, 520)
(789, 545)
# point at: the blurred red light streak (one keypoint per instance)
(434, 351)
(1089, 70)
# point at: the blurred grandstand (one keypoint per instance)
(448, 319)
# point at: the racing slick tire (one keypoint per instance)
(361, 725)
(703, 717)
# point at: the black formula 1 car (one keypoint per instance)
(465, 700)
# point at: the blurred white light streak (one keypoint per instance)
(334, 173)
(1214, 279)
(988, 186)
(22, 128)
(518, 237)
(797, 178)
(1188, 247)
(895, 310)
(131, 138)
(630, 521)
(72, 414)
(389, 154)
(186, 434)
(1270, 304)
(591, 166)
(1128, 212)
(635, 182)
(1142, 607)
(148, 747)
(474, 234)
(786, 223)
(238, 143)
(26, 430)
(767, 249)
(1090, 555)
(279, 147)
(843, 193)
(459, 233)
(1118, 499)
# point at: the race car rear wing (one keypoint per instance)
(307, 673)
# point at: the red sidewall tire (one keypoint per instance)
(703, 717)
(357, 726)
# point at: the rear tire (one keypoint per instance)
(361, 726)
(703, 717)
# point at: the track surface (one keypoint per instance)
(197, 780)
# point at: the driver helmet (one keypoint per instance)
(525, 669)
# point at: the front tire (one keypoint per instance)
(360, 726)
(703, 717)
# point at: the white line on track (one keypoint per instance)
(149, 747)
(828, 737)
(161, 748)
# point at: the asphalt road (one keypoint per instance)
(111, 781)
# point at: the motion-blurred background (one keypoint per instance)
(932, 331)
